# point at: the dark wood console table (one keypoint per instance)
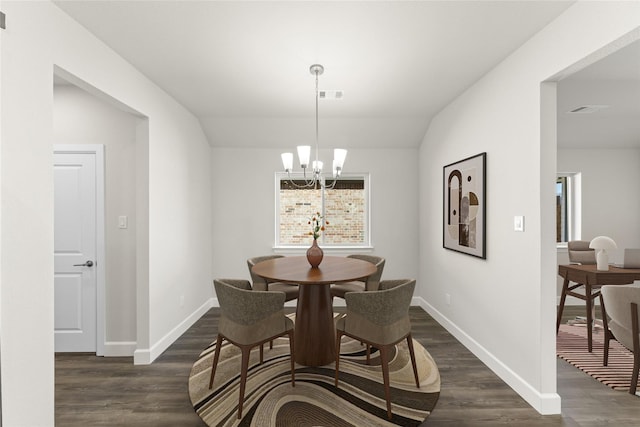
(592, 279)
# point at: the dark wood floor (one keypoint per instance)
(97, 391)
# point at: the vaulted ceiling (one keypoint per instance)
(243, 67)
(611, 87)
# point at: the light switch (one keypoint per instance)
(518, 223)
(122, 221)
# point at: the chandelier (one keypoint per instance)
(304, 152)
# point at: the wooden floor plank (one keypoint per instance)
(100, 391)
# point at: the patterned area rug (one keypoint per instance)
(270, 400)
(571, 345)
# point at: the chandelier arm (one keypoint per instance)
(307, 183)
(332, 185)
(302, 187)
(311, 181)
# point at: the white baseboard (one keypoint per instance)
(147, 356)
(119, 348)
(544, 403)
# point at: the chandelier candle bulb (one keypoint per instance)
(304, 153)
(287, 161)
(339, 155)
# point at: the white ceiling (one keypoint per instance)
(243, 67)
(614, 82)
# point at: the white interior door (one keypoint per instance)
(75, 252)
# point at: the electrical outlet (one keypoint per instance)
(181, 300)
(447, 298)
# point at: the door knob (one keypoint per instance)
(86, 264)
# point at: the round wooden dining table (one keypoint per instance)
(314, 333)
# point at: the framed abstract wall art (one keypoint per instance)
(465, 206)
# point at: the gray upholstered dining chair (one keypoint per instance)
(580, 252)
(291, 290)
(620, 318)
(249, 318)
(371, 284)
(380, 319)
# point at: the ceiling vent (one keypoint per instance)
(331, 94)
(587, 109)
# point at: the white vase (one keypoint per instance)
(602, 260)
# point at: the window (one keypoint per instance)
(346, 207)
(562, 231)
(568, 215)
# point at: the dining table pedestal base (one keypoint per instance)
(315, 332)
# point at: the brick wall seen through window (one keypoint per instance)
(344, 206)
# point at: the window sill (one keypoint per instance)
(333, 250)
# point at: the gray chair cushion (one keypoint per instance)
(372, 282)
(381, 316)
(249, 316)
(580, 253)
(290, 290)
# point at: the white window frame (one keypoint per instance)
(284, 248)
(573, 206)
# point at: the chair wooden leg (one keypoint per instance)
(563, 297)
(413, 359)
(216, 356)
(292, 357)
(607, 333)
(384, 358)
(590, 304)
(634, 376)
(261, 353)
(605, 358)
(244, 368)
(368, 354)
(635, 328)
(338, 340)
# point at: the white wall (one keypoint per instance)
(81, 118)
(503, 308)
(177, 186)
(26, 230)
(244, 206)
(610, 204)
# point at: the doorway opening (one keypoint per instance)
(83, 117)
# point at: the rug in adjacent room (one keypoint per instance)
(270, 400)
(571, 345)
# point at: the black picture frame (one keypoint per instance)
(465, 206)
